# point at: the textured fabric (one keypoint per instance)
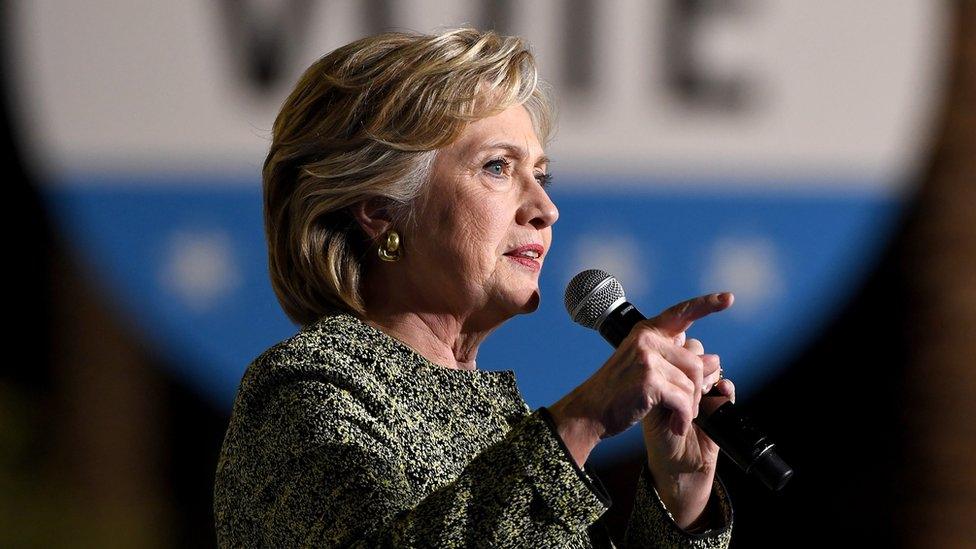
(343, 436)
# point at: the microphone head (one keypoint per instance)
(590, 295)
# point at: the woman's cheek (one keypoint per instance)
(467, 246)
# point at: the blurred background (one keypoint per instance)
(816, 158)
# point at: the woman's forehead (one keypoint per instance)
(512, 129)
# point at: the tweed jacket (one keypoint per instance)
(344, 436)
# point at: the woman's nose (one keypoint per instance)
(538, 209)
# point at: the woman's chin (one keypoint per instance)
(514, 296)
(525, 302)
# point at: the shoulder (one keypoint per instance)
(306, 400)
(328, 380)
(338, 352)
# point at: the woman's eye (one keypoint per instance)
(544, 179)
(497, 167)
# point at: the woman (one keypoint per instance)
(407, 218)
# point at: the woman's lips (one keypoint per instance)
(534, 251)
(527, 255)
(530, 263)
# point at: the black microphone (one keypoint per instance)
(596, 300)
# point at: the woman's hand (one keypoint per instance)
(683, 466)
(650, 370)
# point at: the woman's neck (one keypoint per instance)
(440, 338)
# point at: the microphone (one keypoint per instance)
(595, 299)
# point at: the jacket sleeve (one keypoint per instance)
(651, 525)
(341, 482)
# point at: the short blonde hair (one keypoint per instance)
(364, 122)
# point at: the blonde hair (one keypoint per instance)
(364, 122)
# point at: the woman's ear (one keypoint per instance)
(373, 217)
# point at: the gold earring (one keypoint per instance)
(390, 251)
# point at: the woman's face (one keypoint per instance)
(486, 224)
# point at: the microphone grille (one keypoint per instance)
(590, 294)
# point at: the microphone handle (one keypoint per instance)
(748, 447)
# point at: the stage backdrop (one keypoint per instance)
(758, 146)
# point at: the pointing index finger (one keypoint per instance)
(678, 318)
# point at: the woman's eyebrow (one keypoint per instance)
(516, 151)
